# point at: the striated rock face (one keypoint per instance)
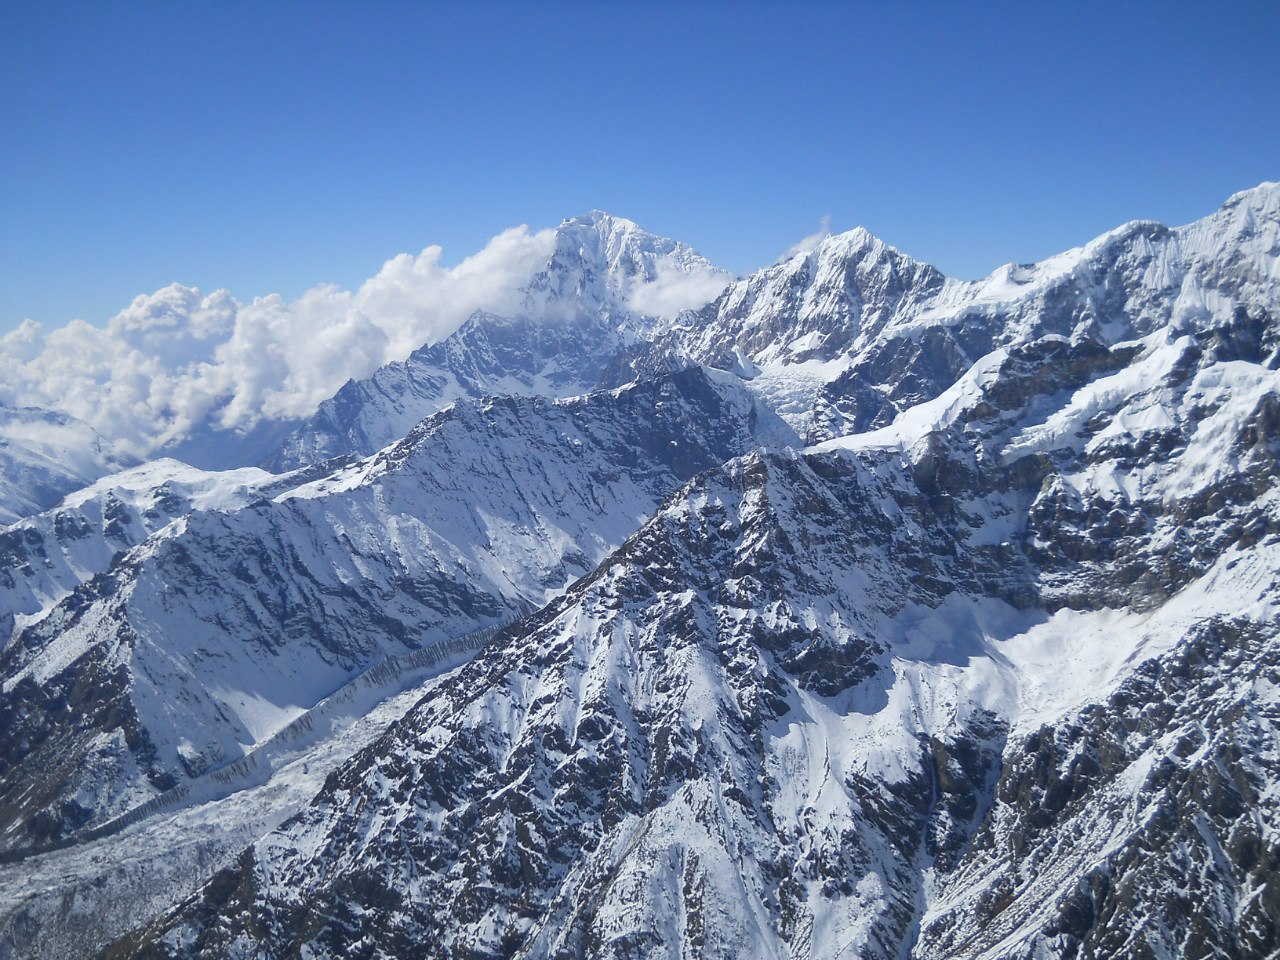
(1137, 827)
(988, 668)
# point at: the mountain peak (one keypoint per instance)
(1265, 197)
(859, 240)
(858, 245)
(601, 260)
(609, 241)
(600, 219)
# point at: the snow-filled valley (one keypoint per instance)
(859, 613)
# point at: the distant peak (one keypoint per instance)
(858, 244)
(856, 238)
(602, 232)
(601, 219)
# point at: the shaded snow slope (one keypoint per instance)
(46, 455)
(44, 557)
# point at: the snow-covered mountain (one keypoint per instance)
(45, 455)
(44, 557)
(843, 338)
(225, 624)
(995, 681)
(589, 302)
(987, 669)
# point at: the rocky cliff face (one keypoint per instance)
(1138, 826)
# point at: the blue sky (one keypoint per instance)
(268, 147)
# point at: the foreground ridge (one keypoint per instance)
(358, 696)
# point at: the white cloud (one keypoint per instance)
(809, 243)
(415, 300)
(174, 358)
(676, 287)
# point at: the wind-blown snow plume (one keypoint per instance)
(810, 243)
(174, 358)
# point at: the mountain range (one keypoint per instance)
(859, 613)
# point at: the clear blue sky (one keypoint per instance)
(272, 146)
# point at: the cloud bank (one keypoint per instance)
(677, 287)
(176, 359)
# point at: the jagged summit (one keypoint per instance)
(605, 286)
(847, 244)
(602, 223)
(850, 334)
(600, 261)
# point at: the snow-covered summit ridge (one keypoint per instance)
(1265, 197)
(844, 337)
(178, 372)
(44, 557)
(1249, 221)
(606, 285)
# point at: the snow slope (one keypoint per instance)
(44, 456)
(44, 557)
